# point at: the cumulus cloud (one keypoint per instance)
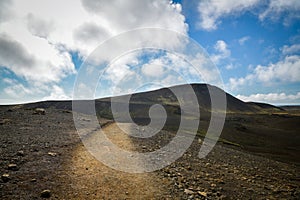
(287, 70)
(211, 11)
(275, 98)
(90, 33)
(159, 69)
(284, 71)
(130, 14)
(87, 23)
(37, 41)
(153, 69)
(291, 49)
(276, 7)
(31, 65)
(57, 93)
(17, 92)
(39, 27)
(14, 54)
(222, 51)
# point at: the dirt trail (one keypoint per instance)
(92, 178)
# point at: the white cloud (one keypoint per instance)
(57, 93)
(275, 98)
(153, 69)
(277, 7)
(212, 10)
(43, 65)
(120, 68)
(138, 13)
(284, 71)
(291, 49)
(243, 40)
(234, 83)
(36, 37)
(16, 92)
(287, 70)
(222, 51)
(118, 72)
(229, 66)
(160, 69)
(39, 27)
(221, 46)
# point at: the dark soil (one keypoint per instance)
(50, 161)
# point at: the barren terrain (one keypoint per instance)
(44, 152)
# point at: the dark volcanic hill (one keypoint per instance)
(165, 97)
(141, 102)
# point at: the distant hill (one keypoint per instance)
(291, 108)
(265, 107)
(164, 96)
(140, 102)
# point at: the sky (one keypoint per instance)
(254, 45)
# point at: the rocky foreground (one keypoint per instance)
(43, 157)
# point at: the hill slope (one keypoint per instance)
(166, 97)
(141, 102)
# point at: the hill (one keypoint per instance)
(141, 102)
(165, 97)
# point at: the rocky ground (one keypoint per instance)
(42, 156)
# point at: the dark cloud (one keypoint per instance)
(90, 32)
(13, 54)
(39, 27)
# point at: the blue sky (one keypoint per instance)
(254, 44)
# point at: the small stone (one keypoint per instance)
(20, 153)
(12, 167)
(46, 194)
(220, 181)
(213, 185)
(39, 111)
(52, 154)
(204, 194)
(67, 111)
(5, 121)
(33, 180)
(5, 178)
(199, 141)
(187, 191)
